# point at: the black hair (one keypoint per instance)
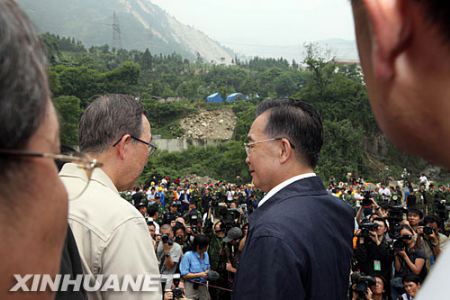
(297, 121)
(415, 211)
(432, 219)
(381, 220)
(152, 209)
(201, 240)
(412, 278)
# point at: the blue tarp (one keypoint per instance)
(214, 98)
(236, 96)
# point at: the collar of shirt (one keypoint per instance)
(71, 170)
(283, 185)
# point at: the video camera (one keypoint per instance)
(396, 213)
(366, 202)
(367, 227)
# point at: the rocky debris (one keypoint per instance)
(200, 180)
(216, 125)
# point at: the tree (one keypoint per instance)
(284, 85)
(147, 60)
(342, 151)
(69, 112)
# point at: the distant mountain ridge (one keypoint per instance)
(141, 24)
(340, 49)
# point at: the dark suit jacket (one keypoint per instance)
(299, 246)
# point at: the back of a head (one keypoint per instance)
(24, 91)
(152, 210)
(201, 241)
(297, 121)
(107, 119)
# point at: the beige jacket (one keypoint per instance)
(111, 235)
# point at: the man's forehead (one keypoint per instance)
(258, 127)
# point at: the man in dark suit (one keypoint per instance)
(300, 240)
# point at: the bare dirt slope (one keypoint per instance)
(216, 125)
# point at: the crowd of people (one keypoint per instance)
(399, 231)
(188, 220)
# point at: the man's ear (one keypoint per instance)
(122, 146)
(390, 23)
(286, 151)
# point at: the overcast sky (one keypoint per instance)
(238, 23)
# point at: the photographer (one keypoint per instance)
(373, 253)
(414, 217)
(192, 213)
(168, 252)
(370, 207)
(232, 251)
(176, 290)
(194, 269)
(182, 238)
(409, 259)
(360, 286)
(218, 260)
(378, 289)
(432, 239)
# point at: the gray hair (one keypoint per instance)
(166, 227)
(24, 91)
(107, 119)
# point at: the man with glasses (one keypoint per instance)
(29, 141)
(299, 244)
(111, 234)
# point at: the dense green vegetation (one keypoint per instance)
(78, 74)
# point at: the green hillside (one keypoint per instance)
(353, 142)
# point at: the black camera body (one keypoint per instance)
(367, 227)
(177, 291)
(427, 230)
(361, 283)
(399, 244)
(366, 202)
(166, 239)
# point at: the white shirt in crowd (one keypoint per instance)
(423, 179)
(385, 192)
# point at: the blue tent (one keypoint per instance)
(236, 96)
(214, 98)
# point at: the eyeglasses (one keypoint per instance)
(80, 160)
(151, 147)
(249, 146)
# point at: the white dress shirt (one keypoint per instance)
(283, 185)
